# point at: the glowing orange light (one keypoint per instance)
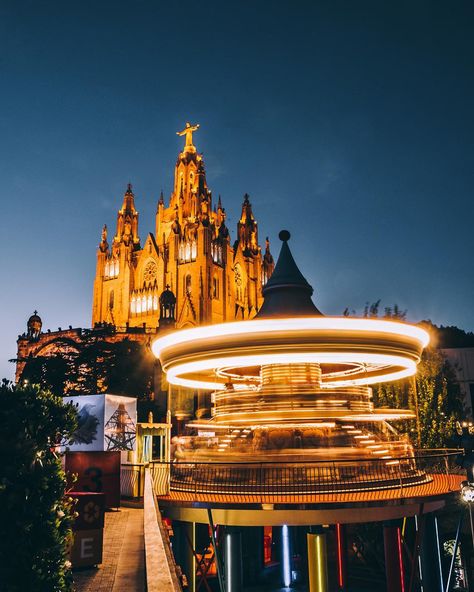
(339, 556)
(400, 560)
(300, 324)
(364, 351)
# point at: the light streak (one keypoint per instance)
(285, 542)
(400, 560)
(339, 556)
(176, 373)
(229, 562)
(320, 560)
(300, 324)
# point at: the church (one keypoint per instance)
(186, 273)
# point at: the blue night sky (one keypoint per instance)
(349, 123)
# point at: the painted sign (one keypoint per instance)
(90, 508)
(97, 472)
(105, 422)
(86, 549)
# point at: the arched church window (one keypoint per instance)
(111, 299)
(187, 251)
(133, 305)
(215, 287)
(149, 302)
(143, 303)
(139, 305)
(216, 250)
(116, 268)
(155, 301)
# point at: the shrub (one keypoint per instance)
(35, 514)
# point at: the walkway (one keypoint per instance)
(123, 567)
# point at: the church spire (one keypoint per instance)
(268, 263)
(127, 220)
(247, 229)
(104, 245)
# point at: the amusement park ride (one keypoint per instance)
(294, 438)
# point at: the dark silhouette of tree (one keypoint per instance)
(449, 337)
(101, 364)
(49, 372)
(132, 371)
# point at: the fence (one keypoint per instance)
(306, 477)
(132, 479)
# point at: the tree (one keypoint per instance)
(433, 394)
(93, 365)
(35, 513)
(100, 364)
(49, 372)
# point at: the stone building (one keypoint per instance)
(186, 273)
(190, 254)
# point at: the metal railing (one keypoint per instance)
(132, 478)
(308, 477)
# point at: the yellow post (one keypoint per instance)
(317, 562)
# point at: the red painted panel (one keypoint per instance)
(90, 508)
(97, 472)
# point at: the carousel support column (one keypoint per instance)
(168, 427)
(167, 466)
(233, 560)
(189, 566)
(394, 569)
(430, 556)
(183, 550)
(317, 561)
(341, 556)
(455, 549)
(217, 552)
(285, 556)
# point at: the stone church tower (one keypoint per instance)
(189, 256)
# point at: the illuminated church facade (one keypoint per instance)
(187, 272)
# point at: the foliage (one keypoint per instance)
(433, 394)
(371, 311)
(99, 365)
(35, 514)
(49, 372)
